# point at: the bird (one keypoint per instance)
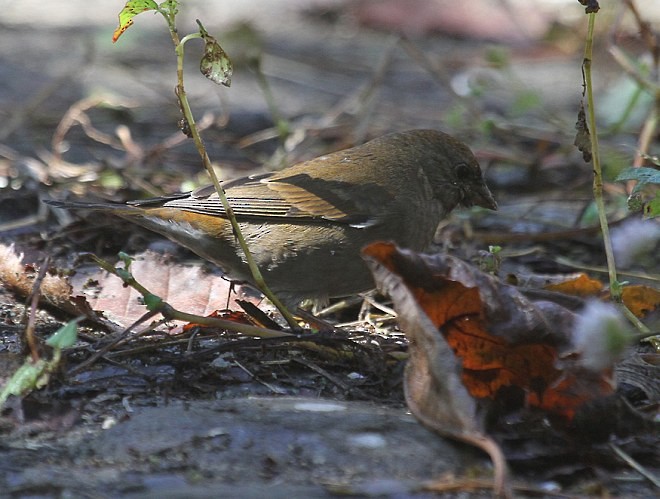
(306, 224)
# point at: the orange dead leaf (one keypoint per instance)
(527, 360)
(490, 362)
(583, 285)
(641, 300)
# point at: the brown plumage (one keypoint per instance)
(305, 225)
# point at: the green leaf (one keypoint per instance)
(29, 376)
(170, 6)
(652, 208)
(130, 10)
(65, 336)
(33, 375)
(642, 175)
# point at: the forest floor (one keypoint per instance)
(178, 412)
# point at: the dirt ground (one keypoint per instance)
(215, 414)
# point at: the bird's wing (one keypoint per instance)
(297, 198)
(336, 200)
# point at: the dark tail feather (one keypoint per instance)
(129, 206)
(79, 205)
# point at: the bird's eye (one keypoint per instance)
(464, 172)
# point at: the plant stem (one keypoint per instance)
(615, 287)
(199, 144)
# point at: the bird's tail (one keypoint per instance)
(81, 205)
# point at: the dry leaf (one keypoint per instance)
(478, 344)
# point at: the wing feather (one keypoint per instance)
(298, 198)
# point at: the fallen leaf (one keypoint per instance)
(434, 388)
(502, 338)
(582, 285)
(640, 300)
(103, 298)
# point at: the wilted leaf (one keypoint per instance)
(480, 349)
(582, 137)
(434, 383)
(89, 289)
(640, 300)
(582, 285)
(501, 338)
(591, 6)
(215, 64)
(184, 287)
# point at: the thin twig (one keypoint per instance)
(106, 348)
(30, 338)
(272, 388)
(635, 465)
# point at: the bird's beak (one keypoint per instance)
(481, 196)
